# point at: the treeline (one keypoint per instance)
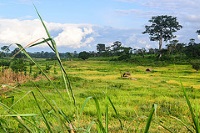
(191, 50)
(5, 52)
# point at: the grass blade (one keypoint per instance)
(121, 125)
(64, 74)
(45, 120)
(194, 118)
(17, 118)
(181, 123)
(89, 127)
(84, 104)
(20, 115)
(99, 117)
(106, 120)
(20, 99)
(150, 118)
(66, 118)
(29, 57)
(42, 22)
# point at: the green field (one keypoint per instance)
(91, 95)
(132, 97)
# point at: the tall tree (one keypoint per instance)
(101, 47)
(16, 52)
(162, 27)
(5, 48)
(192, 41)
(4, 51)
(116, 47)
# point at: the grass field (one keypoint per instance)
(132, 97)
(43, 101)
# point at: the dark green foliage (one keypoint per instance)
(84, 55)
(47, 68)
(18, 65)
(192, 51)
(54, 68)
(101, 47)
(5, 48)
(195, 64)
(30, 67)
(124, 57)
(8, 100)
(5, 63)
(17, 53)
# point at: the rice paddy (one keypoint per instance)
(132, 97)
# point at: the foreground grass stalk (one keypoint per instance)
(67, 83)
(99, 122)
(121, 125)
(106, 116)
(182, 123)
(45, 120)
(17, 117)
(99, 116)
(150, 118)
(194, 118)
(64, 74)
(58, 111)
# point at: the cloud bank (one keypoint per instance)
(26, 31)
(72, 36)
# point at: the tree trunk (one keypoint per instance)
(160, 46)
(160, 43)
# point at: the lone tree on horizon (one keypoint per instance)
(162, 28)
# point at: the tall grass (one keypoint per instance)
(154, 107)
(102, 127)
(59, 114)
(195, 118)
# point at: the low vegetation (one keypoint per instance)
(132, 97)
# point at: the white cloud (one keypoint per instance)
(16, 31)
(26, 31)
(74, 36)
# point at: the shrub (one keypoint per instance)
(18, 65)
(84, 55)
(195, 64)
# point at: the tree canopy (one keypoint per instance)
(84, 55)
(162, 27)
(101, 47)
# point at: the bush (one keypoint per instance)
(18, 65)
(84, 55)
(124, 57)
(4, 63)
(195, 64)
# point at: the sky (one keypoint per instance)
(79, 25)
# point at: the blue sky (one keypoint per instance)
(79, 25)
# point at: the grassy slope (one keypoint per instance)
(133, 97)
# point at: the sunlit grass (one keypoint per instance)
(105, 102)
(133, 99)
